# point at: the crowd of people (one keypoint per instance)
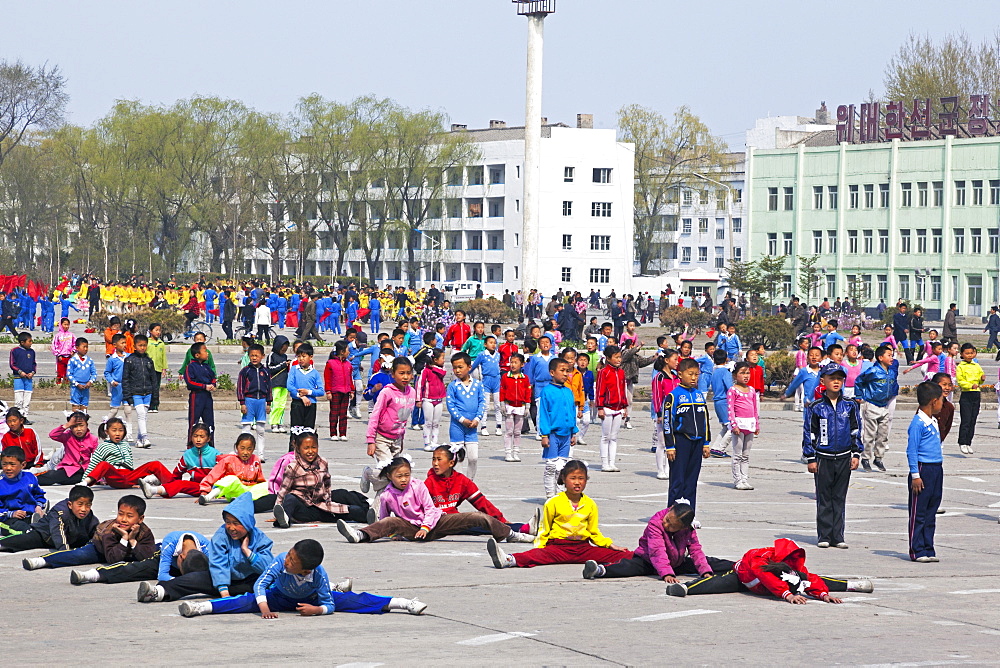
(530, 382)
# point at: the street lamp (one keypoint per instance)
(536, 11)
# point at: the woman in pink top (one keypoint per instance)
(744, 422)
(407, 512)
(78, 444)
(431, 392)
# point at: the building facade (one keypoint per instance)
(586, 223)
(917, 220)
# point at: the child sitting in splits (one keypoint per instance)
(297, 582)
(668, 546)
(125, 538)
(180, 552)
(416, 516)
(112, 460)
(235, 473)
(21, 498)
(449, 489)
(197, 462)
(66, 526)
(569, 533)
(779, 570)
(305, 491)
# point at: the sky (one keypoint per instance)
(730, 62)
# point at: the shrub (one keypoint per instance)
(780, 367)
(771, 330)
(225, 382)
(489, 310)
(172, 321)
(674, 318)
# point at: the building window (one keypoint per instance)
(852, 196)
(959, 193)
(832, 196)
(817, 242)
(935, 288)
(883, 242)
(494, 241)
(737, 195)
(702, 253)
(977, 193)
(831, 284)
(600, 275)
(685, 226)
(600, 242)
(772, 199)
(789, 198)
(994, 241)
(817, 197)
(496, 174)
(922, 193)
(869, 249)
(959, 240)
(977, 240)
(475, 241)
(883, 286)
(602, 175)
(686, 254)
(688, 198)
(600, 209)
(831, 242)
(670, 223)
(720, 257)
(907, 189)
(568, 173)
(869, 196)
(883, 195)
(920, 288)
(772, 243)
(738, 254)
(786, 286)
(786, 243)
(852, 242)
(567, 208)
(720, 228)
(904, 241)
(567, 274)
(721, 199)
(567, 242)
(703, 226)
(671, 251)
(904, 287)
(936, 241)
(995, 192)
(938, 193)
(737, 225)
(921, 241)
(954, 288)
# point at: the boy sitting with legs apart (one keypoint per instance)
(21, 498)
(66, 526)
(297, 582)
(180, 552)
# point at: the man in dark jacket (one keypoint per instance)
(993, 327)
(307, 326)
(8, 311)
(901, 329)
(949, 332)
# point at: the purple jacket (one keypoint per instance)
(666, 551)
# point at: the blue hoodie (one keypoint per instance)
(556, 411)
(171, 546)
(20, 493)
(225, 556)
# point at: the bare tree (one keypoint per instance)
(30, 99)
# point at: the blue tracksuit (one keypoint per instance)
(375, 315)
(490, 364)
(686, 430)
(226, 561)
(20, 493)
(171, 546)
(66, 305)
(924, 456)
(537, 371)
(210, 296)
(357, 356)
(809, 380)
(48, 315)
(282, 311)
(113, 370)
(80, 371)
(878, 385)
(352, 313)
(556, 419)
(722, 380)
(336, 310)
(465, 401)
(705, 367)
(381, 378)
(733, 346)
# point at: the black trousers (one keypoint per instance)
(299, 511)
(227, 328)
(29, 540)
(729, 583)
(302, 416)
(264, 504)
(628, 568)
(832, 478)
(59, 477)
(968, 408)
(154, 401)
(200, 582)
(133, 571)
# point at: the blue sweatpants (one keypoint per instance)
(558, 446)
(684, 470)
(363, 603)
(87, 554)
(201, 406)
(923, 510)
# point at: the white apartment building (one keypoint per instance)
(586, 221)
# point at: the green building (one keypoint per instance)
(918, 220)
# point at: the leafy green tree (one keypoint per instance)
(809, 276)
(772, 271)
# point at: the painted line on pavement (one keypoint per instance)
(971, 479)
(948, 622)
(360, 664)
(448, 553)
(949, 489)
(496, 637)
(672, 615)
(966, 592)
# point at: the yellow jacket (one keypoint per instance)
(575, 383)
(561, 521)
(968, 374)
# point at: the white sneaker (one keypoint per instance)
(344, 586)
(969, 448)
(152, 479)
(535, 522)
(350, 533)
(823, 544)
(84, 577)
(863, 586)
(964, 449)
(499, 431)
(592, 570)
(281, 517)
(195, 608)
(842, 545)
(509, 458)
(538, 437)
(33, 563)
(344, 437)
(662, 475)
(430, 447)
(366, 483)
(677, 589)
(484, 431)
(500, 558)
(148, 490)
(580, 441)
(628, 425)
(335, 438)
(415, 607)
(150, 593)
(517, 457)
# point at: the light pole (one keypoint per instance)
(536, 11)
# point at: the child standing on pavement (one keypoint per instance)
(722, 380)
(139, 382)
(466, 401)
(611, 402)
(686, 433)
(556, 423)
(253, 392)
(970, 378)
(157, 351)
(832, 449)
(877, 387)
(305, 386)
(339, 387)
(82, 374)
(488, 363)
(200, 380)
(63, 343)
(515, 395)
(23, 366)
(744, 423)
(387, 422)
(431, 392)
(113, 368)
(924, 455)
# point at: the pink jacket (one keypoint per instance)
(63, 343)
(413, 504)
(745, 405)
(337, 376)
(278, 472)
(801, 359)
(667, 551)
(77, 451)
(391, 413)
(852, 371)
(663, 384)
(431, 385)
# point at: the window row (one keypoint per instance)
(598, 242)
(596, 275)
(599, 174)
(863, 241)
(597, 209)
(919, 194)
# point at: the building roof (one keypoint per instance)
(510, 133)
(821, 138)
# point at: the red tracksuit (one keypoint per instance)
(609, 388)
(749, 570)
(506, 350)
(457, 335)
(448, 493)
(515, 391)
(28, 442)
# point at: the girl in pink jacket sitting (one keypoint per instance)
(668, 546)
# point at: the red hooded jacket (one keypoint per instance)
(749, 570)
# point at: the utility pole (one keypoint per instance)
(536, 11)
